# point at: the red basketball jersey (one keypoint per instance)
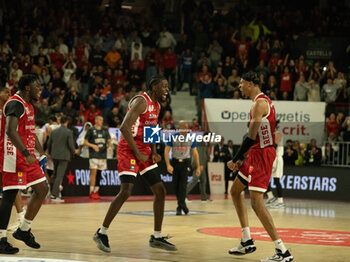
(147, 118)
(11, 159)
(265, 137)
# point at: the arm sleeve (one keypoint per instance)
(194, 145)
(14, 108)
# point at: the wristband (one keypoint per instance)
(246, 145)
(25, 152)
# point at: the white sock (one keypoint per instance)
(269, 195)
(91, 189)
(103, 230)
(96, 189)
(20, 216)
(157, 234)
(279, 244)
(245, 234)
(280, 200)
(2, 233)
(25, 225)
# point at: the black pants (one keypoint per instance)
(180, 176)
(168, 73)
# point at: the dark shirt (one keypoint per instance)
(100, 138)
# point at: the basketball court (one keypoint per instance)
(313, 230)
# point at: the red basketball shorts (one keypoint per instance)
(257, 168)
(22, 179)
(129, 165)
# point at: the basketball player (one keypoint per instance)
(256, 170)
(277, 173)
(135, 156)
(98, 140)
(20, 168)
(5, 94)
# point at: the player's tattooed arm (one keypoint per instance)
(137, 107)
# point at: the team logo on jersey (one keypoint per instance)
(151, 134)
(150, 108)
(133, 161)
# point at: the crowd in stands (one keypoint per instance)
(92, 60)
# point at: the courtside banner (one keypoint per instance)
(299, 120)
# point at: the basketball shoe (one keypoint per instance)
(243, 248)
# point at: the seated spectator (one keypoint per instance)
(290, 154)
(313, 154)
(203, 60)
(227, 67)
(220, 89)
(262, 69)
(167, 121)
(301, 153)
(136, 48)
(206, 87)
(236, 94)
(114, 118)
(44, 77)
(233, 80)
(346, 127)
(91, 113)
(57, 58)
(195, 126)
(301, 89)
(74, 97)
(219, 74)
(271, 88)
(70, 111)
(26, 65)
(332, 125)
(44, 110)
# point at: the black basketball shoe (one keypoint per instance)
(6, 247)
(102, 241)
(27, 237)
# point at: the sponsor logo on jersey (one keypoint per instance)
(133, 161)
(20, 174)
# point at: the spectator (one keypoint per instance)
(313, 92)
(215, 50)
(258, 29)
(152, 62)
(136, 48)
(301, 153)
(114, 118)
(346, 127)
(329, 90)
(169, 68)
(286, 82)
(57, 58)
(112, 58)
(44, 77)
(220, 89)
(206, 87)
(233, 80)
(91, 114)
(301, 89)
(290, 154)
(313, 154)
(187, 62)
(167, 121)
(80, 50)
(271, 88)
(219, 75)
(44, 111)
(68, 69)
(69, 111)
(220, 151)
(195, 126)
(203, 60)
(262, 69)
(332, 125)
(242, 46)
(165, 40)
(97, 55)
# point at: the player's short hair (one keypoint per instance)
(64, 119)
(251, 77)
(155, 80)
(26, 80)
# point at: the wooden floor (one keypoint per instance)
(65, 232)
